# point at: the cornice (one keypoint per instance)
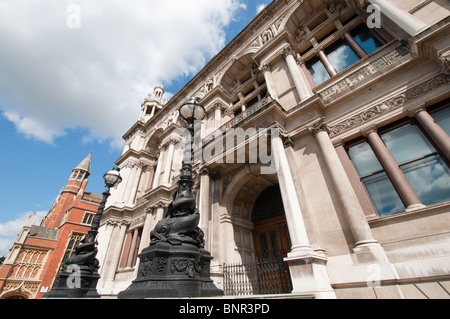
(226, 52)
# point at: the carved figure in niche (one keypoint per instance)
(209, 85)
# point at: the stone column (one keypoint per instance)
(265, 68)
(307, 267)
(148, 223)
(327, 63)
(159, 213)
(359, 51)
(130, 182)
(217, 115)
(436, 133)
(150, 178)
(118, 194)
(352, 209)
(113, 256)
(135, 183)
(393, 171)
(354, 45)
(168, 161)
(300, 81)
(205, 206)
(402, 18)
(296, 225)
(159, 164)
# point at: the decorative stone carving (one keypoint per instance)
(189, 266)
(300, 33)
(394, 102)
(364, 72)
(146, 266)
(319, 126)
(445, 62)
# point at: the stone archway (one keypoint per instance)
(16, 290)
(270, 231)
(243, 187)
(260, 235)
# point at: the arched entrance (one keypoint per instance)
(270, 232)
(260, 239)
(272, 242)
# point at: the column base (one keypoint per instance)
(414, 207)
(309, 275)
(369, 252)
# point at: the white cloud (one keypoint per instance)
(55, 77)
(260, 7)
(10, 229)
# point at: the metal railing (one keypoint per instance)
(255, 278)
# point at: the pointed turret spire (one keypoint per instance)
(85, 164)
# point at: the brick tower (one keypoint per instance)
(41, 247)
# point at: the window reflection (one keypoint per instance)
(378, 185)
(423, 168)
(383, 194)
(407, 143)
(364, 159)
(367, 39)
(430, 179)
(442, 118)
(317, 70)
(341, 55)
(420, 162)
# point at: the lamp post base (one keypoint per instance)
(172, 271)
(81, 283)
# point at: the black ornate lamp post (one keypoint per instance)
(176, 263)
(79, 273)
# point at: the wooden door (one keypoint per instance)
(271, 238)
(272, 243)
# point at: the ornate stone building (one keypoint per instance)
(42, 246)
(346, 104)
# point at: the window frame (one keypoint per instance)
(388, 128)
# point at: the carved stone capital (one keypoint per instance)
(445, 63)
(288, 50)
(265, 68)
(319, 127)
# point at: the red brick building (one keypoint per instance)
(39, 250)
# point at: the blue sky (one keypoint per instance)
(73, 75)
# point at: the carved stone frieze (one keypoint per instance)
(364, 72)
(392, 103)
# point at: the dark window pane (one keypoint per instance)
(317, 70)
(341, 55)
(367, 39)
